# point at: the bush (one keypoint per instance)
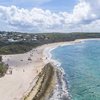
(0, 58)
(3, 69)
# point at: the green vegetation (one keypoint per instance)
(42, 38)
(60, 37)
(0, 58)
(3, 69)
(13, 48)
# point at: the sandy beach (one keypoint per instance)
(23, 70)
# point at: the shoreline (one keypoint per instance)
(48, 58)
(24, 71)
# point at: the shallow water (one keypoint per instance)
(81, 63)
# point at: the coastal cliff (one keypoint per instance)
(44, 85)
(44, 88)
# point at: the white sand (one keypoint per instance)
(16, 85)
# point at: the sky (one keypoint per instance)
(50, 15)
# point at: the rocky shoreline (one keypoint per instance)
(46, 84)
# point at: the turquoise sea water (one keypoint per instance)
(81, 63)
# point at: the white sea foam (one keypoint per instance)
(61, 91)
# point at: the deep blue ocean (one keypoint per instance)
(81, 63)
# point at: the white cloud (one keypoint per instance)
(95, 6)
(29, 18)
(85, 16)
